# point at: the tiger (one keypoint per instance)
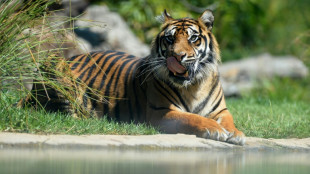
(176, 88)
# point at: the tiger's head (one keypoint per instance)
(185, 51)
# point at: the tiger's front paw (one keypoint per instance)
(218, 134)
(236, 137)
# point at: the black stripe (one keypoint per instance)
(165, 96)
(165, 89)
(89, 72)
(107, 71)
(222, 110)
(94, 103)
(126, 82)
(201, 105)
(107, 88)
(180, 98)
(134, 87)
(141, 77)
(218, 94)
(186, 20)
(155, 107)
(174, 23)
(156, 43)
(76, 64)
(88, 58)
(117, 116)
(128, 71)
(94, 65)
(91, 83)
(71, 59)
(203, 53)
(211, 42)
(216, 105)
(107, 93)
(120, 73)
(194, 30)
(183, 25)
(194, 22)
(200, 30)
(130, 57)
(86, 97)
(82, 75)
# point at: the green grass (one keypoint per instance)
(262, 117)
(40, 122)
(277, 109)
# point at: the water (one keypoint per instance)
(78, 161)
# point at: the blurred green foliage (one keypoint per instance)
(242, 27)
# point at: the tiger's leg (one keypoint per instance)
(188, 123)
(225, 119)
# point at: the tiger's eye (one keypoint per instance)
(193, 38)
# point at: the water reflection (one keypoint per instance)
(152, 162)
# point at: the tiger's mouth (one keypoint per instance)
(176, 68)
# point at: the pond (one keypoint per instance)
(45, 161)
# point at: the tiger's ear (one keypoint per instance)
(207, 19)
(164, 17)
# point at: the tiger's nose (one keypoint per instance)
(180, 56)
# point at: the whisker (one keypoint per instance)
(151, 70)
(150, 65)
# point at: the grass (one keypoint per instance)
(277, 109)
(262, 117)
(40, 122)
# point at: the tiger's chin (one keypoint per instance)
(181, 80)
(185, 79)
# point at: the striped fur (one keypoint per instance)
(113, 74)
(180, 96)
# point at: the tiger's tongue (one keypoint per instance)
(174, 66)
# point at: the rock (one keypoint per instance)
(104, 30)
(240, 75)
(150, 142)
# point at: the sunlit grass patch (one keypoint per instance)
(262, 117)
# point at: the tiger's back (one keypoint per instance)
(116, 77)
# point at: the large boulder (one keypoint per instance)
(240, 75)
(103, 30)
